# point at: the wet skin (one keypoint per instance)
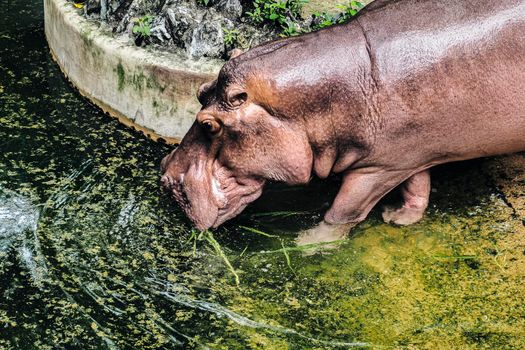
(404, 86)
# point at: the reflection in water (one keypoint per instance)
(94, 256)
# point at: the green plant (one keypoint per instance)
(141, 26)
(203, 2)
(291, 29)
(324, 20)
(281, 14)
(230, 36)
(349, 10)
(207, 236)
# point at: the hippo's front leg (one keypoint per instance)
(360, 191)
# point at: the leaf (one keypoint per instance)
(283, 214)
(78, 5)
(217, 247)
(253, 230)
(287, 256)
(306, 247)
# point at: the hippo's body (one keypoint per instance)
(406, 85)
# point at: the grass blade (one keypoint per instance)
(217, 247)
(259, 232)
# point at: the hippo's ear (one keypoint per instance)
(205, 91)
(236, 96)
(235, 52)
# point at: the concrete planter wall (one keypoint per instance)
(152, 91)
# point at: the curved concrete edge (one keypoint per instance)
(151, 91)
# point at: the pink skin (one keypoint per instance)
(215, 173)
(379, 100)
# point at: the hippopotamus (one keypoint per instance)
(402, 87)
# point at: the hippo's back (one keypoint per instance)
(452, 70)
(407, 36)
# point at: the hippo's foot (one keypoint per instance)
(415, 191)
(402, 216)
(323, 233)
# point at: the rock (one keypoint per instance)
(92, 7)
(180, 19)
(207, 37)
(231, 9)
(160, 32)
(137, 9)
(104, 10)
(117, 9)
(250, 36)
(186, 24)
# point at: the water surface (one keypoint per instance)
(94, 256)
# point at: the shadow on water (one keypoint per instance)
(93, 255)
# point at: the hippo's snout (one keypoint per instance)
(208, 195)
(163, 164)
(165, 161)
(192, 196)
(165, 182)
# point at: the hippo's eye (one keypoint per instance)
(211, 126)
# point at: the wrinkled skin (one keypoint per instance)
(406, 85)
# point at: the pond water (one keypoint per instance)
(94, 256)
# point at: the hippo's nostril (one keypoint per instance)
(165, 181)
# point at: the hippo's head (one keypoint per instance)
(238, 141)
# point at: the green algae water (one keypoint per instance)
(94, 256)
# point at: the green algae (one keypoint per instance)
(121, 74)
(138, 81)
(111, 264)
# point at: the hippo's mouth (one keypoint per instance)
(236, 194)
(209, 198)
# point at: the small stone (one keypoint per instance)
(92, 7)
(160, 32)
(180, 20)
(104, 9)
(231, 9)
(206, 39)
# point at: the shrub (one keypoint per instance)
(281, 14)
(141, 26)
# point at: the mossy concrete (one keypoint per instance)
(150, 90)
